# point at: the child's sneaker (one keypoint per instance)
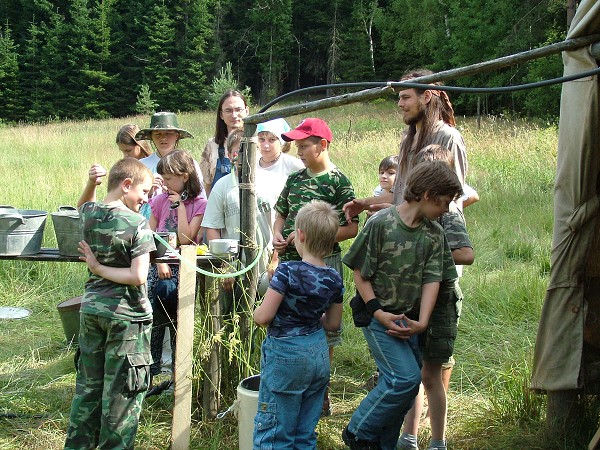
(355, 444)
(407, 442)
(437, 445)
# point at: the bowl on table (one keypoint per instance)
(221, 247)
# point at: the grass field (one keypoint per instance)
(511, 164)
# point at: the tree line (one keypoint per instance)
(94, 58)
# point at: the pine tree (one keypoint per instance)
(193, 30)
(9, 76)
(159, 53)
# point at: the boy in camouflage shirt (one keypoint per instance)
(437, 342)
(398, 260)
(319, 180)
(116, 316)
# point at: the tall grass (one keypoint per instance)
(511, 164)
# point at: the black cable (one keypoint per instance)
(413, 85)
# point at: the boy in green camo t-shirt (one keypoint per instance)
(115, 316)
(319, 180)
(398, 261)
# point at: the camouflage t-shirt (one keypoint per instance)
(308, 291)
(116, 235)
(396, 259)
(332, 187)
(455, 230)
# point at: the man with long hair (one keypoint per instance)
(430, 119)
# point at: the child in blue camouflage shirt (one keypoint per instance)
(303, 299)
(115, 316)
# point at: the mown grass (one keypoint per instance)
(511, 164)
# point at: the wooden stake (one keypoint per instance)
(595, 440)
(182, 411)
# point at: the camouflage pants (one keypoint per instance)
(112, 378)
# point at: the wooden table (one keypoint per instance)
(182, 410)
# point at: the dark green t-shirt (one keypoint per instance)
(116, 235)
(396, 259)
(332, 187)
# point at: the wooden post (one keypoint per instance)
(563, 410)
(212, 381)
(248, 207)
(182, 411)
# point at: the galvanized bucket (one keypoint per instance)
(67, 228)
(21, 231)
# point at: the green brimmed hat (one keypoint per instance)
(162, 121)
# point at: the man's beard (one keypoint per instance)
(417, 117)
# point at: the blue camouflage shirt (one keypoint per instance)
(308, 291)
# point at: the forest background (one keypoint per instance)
(86, 59)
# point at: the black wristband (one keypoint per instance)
(373, 305)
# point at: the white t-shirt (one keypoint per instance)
(285, 165)
(223, 208)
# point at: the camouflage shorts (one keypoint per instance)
(437, 342)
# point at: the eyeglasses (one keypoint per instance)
(230, 111)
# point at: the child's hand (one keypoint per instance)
(88, 256)
(279, 243)
(291, 238)
(164, 271)
(400, 326)
(96, 173)
(393, 322)
(174, 197)
(157, 185)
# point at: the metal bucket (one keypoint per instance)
(68, 230)
(21, 231)
(69, 317)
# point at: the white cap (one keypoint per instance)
(275, 126)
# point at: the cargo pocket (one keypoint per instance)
(440, 341)
(265, 425)
(138, 373)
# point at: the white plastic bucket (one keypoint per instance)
(247, 405)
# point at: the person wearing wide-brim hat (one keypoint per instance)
(165, 133)
(163, 124)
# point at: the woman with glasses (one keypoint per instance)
(230, 114)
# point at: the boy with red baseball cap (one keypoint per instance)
(319, 180)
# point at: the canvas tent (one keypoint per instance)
(567, 347)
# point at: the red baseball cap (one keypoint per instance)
(309, 127)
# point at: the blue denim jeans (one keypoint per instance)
(294, 374)
(379, 416)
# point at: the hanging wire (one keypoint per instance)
(398, 85)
